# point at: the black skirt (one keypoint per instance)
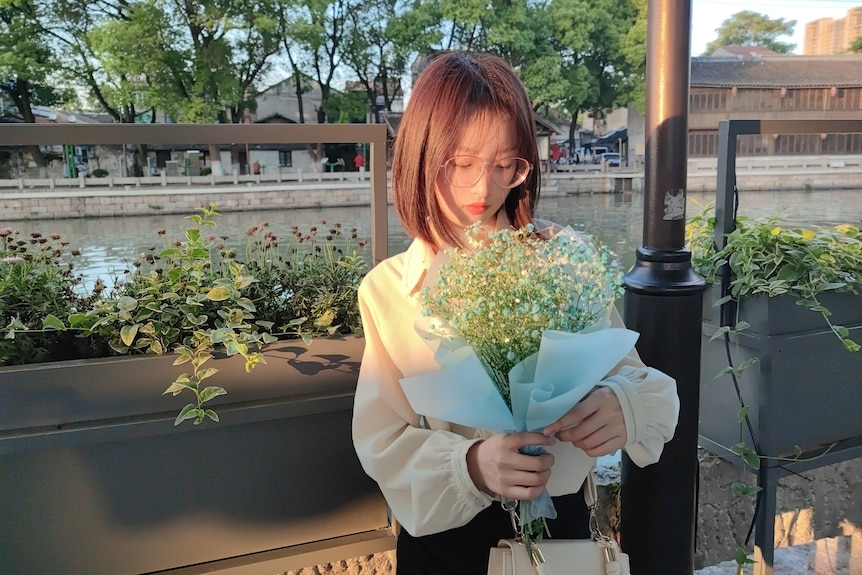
(464, 550)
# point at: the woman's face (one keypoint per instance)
(490, 138)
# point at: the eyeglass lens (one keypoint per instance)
(465, 171)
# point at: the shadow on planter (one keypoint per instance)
(803, 394)
(95, 478)
(805, 388)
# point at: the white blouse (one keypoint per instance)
(421, 464)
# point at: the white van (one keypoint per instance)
(597, 153)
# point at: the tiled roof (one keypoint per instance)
(543, 126)
(743, 51)
(778, 72)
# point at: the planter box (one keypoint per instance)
(96, 479)
(806, 388)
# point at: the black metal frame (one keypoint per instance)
(201, 134)
(725, 208)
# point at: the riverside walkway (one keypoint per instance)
(53, 198)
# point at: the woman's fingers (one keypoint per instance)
(596, 424)
(497, 465)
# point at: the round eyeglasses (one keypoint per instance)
(466, 171)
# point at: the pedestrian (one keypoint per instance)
(359, 162)
(443, 481)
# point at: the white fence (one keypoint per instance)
(779, 163)
(164, 180)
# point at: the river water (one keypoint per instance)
(109, 243)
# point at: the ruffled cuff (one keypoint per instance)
(462, 483)
(650, 409)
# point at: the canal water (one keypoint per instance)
(109, 244)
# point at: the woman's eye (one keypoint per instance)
(505, 164)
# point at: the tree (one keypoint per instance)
(196, 60)
(317, 28)
(749, 28)
(27, 64)
(604, 54)
(381, 39)
(856, 46)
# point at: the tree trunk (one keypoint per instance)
(20, 95)
(572, 129)
(215, 160)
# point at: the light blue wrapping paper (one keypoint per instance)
(543, 388)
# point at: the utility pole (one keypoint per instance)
(663, 301)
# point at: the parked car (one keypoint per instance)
(597, 153)
(610, 159)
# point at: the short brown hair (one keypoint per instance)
(450, 92)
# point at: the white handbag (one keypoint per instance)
(599, 555)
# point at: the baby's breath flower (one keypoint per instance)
(502, 292)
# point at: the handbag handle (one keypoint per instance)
(591, 498)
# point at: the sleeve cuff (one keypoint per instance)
(461, 478)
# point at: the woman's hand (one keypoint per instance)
(496, 466)
(595, 424)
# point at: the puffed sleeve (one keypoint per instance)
(421, 472)
(649, 402)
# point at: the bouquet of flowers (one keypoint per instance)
(522, 329)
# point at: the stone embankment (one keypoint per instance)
(93, 197)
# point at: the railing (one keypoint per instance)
(14, 135)
(163, 179)
(729, 130)
(771, 471)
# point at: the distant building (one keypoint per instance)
(280, 100)
(743, 52)
(775, 88)
(828, 36)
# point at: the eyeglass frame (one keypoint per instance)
(485, 170)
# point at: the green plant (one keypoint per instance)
(765, 258)
(206, 171)
(37, 283)
(308, 284)
(100, 173)
(195, 298)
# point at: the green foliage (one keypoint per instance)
(100, 173)
(206, 171)
(749, 28)
(765, 258)
(308, 284)
(203, 60)
(856, 46)
(193, 298)
(37, 282)
(603, 45)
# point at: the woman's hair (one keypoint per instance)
(452, 90)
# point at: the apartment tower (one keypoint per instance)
(827, 36)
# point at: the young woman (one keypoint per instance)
(466, 152)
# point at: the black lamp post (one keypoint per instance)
(663, 301)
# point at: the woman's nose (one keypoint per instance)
(483, 186)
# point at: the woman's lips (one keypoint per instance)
(476, 209)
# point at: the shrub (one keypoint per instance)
(100, 173)
(192, 297)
